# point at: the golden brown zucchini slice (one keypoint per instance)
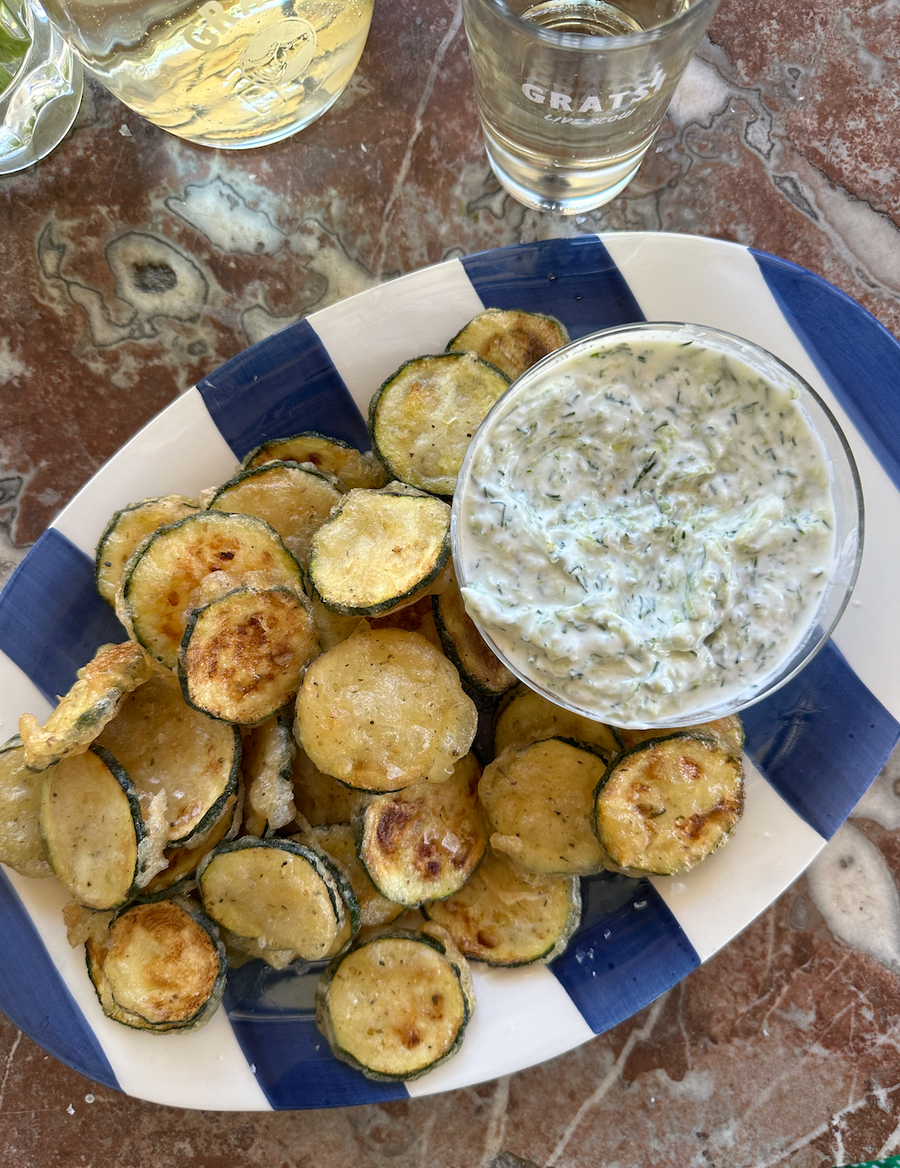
(665, 804)
(424, 416)
(511, 339)
(126, 530)
(351, 467)
(380, 549)
(383, 710)
(21, 842)
(507, 916)
(524, 716)
(160, 967)
(397, 1004)
(539, 803)
(290, 498)
(98, 843)
(338, 841)
(168, 571)
(267, 764)
(477, 663)
(243, 654)
(165, 746)
(282, 895)
(425, 842)
(89, 705)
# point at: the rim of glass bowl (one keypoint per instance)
(846, 493)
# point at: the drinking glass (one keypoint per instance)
(40, 85)
(229, 73)
(571, 92)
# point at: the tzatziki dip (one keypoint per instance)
(645, 527)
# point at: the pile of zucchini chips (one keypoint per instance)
(277, 763)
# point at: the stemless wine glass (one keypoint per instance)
(41, 85)
(571, 92)
(228, 73)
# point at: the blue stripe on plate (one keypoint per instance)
(628, 950)
(37, 999)
(572, 279)
(52, 620)
(821, 739)
(858, 358)
(283, 385)
(272, 1013)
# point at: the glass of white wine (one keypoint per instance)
(226, 73)
(571, 92)
(40, 85)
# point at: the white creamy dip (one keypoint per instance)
(646, 528)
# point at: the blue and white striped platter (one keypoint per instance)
(814, 746)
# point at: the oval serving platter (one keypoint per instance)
(813, 747)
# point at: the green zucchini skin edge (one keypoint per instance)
(209, 1007)
(322, 1006)
(421, 586)
(639, 873)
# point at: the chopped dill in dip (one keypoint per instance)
(647, 528)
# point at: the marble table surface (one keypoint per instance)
(784, 1049)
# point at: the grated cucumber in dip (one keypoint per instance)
(647, 529)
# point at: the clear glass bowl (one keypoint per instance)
(692, 708)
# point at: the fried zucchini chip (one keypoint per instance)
(101, 846)
(92, 701)
(21, 843)
(524, 717)
(379, 551)
(397, 1004)
(511, 339)
(170, 572)
(507, 916)
(160, 967)
(243, 654)
(351, 467)
(425, 842)
(280, 894)
(290, 498)
(424, 416)
(539, 800)
(383, 710)
(126, 530)
(167, 747)
(667, 803)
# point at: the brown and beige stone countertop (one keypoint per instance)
(132, 264)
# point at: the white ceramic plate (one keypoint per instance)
(814, 746)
